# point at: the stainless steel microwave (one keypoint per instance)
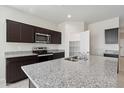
(42, 38)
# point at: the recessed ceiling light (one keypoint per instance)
(69, 15)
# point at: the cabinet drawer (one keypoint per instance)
(58, 55)
(45, 58)
(20, 59)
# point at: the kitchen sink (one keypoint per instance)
(75, 58)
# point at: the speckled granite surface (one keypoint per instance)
(55, 51)
(97, 72)
(19, 54)
(27, 53)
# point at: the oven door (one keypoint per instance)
(45, 58)
(42, 38)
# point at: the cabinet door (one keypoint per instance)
(55, 37)
(14, 72)
(58, 55)
(41, 30)
(52, 39)
(59, 37)
(13, 31)
(45, 58)
(13, 67)
(27, 33)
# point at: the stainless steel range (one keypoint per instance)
(43, 54)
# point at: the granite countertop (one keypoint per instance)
(19, 54)
(55, 51)
(97, 72)
(27, 53)
(116, 52)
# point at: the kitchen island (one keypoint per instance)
(96, 72)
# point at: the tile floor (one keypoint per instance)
(121, 73)
(20, 84)
(25, 83)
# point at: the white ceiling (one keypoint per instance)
(87, 13)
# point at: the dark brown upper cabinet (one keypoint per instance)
(41, 30)
(13, 31)
(24, 33)
(19, 32)
(55, 37)
(27, 33)
(59, 37)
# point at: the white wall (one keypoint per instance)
(98, 45)
(85, 42)
(9, 13)
(74, 36)
(70, 32)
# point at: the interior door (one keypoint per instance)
(85, 42)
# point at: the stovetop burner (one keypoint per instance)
(40, 50)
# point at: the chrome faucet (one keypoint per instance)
(82, 56)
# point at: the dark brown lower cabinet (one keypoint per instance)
(58, 55)
(45, 58)
(14, 72)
